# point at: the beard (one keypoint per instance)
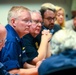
(51, 26)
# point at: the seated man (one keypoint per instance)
(63, 48)
(35, 51)
(74, 22)
(13, 56)
(71, 24)
(3, 34)
(48, 14)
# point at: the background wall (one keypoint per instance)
(31, 4)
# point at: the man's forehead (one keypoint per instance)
(49, 11)
(25, 15)
(25, 12)
(49, 14)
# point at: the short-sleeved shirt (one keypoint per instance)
(31, 45)
(12, 55)
(3, 71)
(66, 59)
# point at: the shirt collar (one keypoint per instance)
(14, 33)
(51, 30)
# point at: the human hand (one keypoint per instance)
(45, 31)
(39, 63)
(46, 35)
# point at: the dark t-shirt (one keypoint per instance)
(31, 45)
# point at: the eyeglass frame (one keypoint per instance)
(26, 21)
(36, 22)
(50, 18)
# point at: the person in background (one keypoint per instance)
(13, 56)
(35, 51)
(48, 13)
(66, 17)
(60, 16)
(63, 48)
(71, 24)
(3, 34)
(74, 22)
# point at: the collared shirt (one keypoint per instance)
(53, 30)
(12, 54)
(3, 71)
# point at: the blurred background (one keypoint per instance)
(68, 5)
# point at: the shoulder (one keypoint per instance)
(69, 24)
(57, 26)
(27, 38)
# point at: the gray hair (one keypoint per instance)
(63, 40)
(35, 11)
(69, 24)
(15, 11)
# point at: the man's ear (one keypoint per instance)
(13, 22)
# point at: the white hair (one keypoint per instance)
(69, 24)
(35, 11)
(15, 12)
(63, 40)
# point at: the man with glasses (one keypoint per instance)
(63, 59)
(48, 15)
(13, 56)
(48, 18)
(36, 51)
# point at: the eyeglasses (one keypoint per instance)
(25, 20)
(50, 18)
(36, 21)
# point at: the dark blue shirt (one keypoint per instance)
(31, 45)
(3, 71)
(12, 54)
(63, 60)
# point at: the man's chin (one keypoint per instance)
(0, 49)
(51, 27)
(27, 32)
(37, 33)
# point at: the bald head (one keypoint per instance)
(3, 33)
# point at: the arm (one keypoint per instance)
(3, 71)
(43, 49)
(12, 65)
(31, 71)
(48, 51)
(26, 65)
